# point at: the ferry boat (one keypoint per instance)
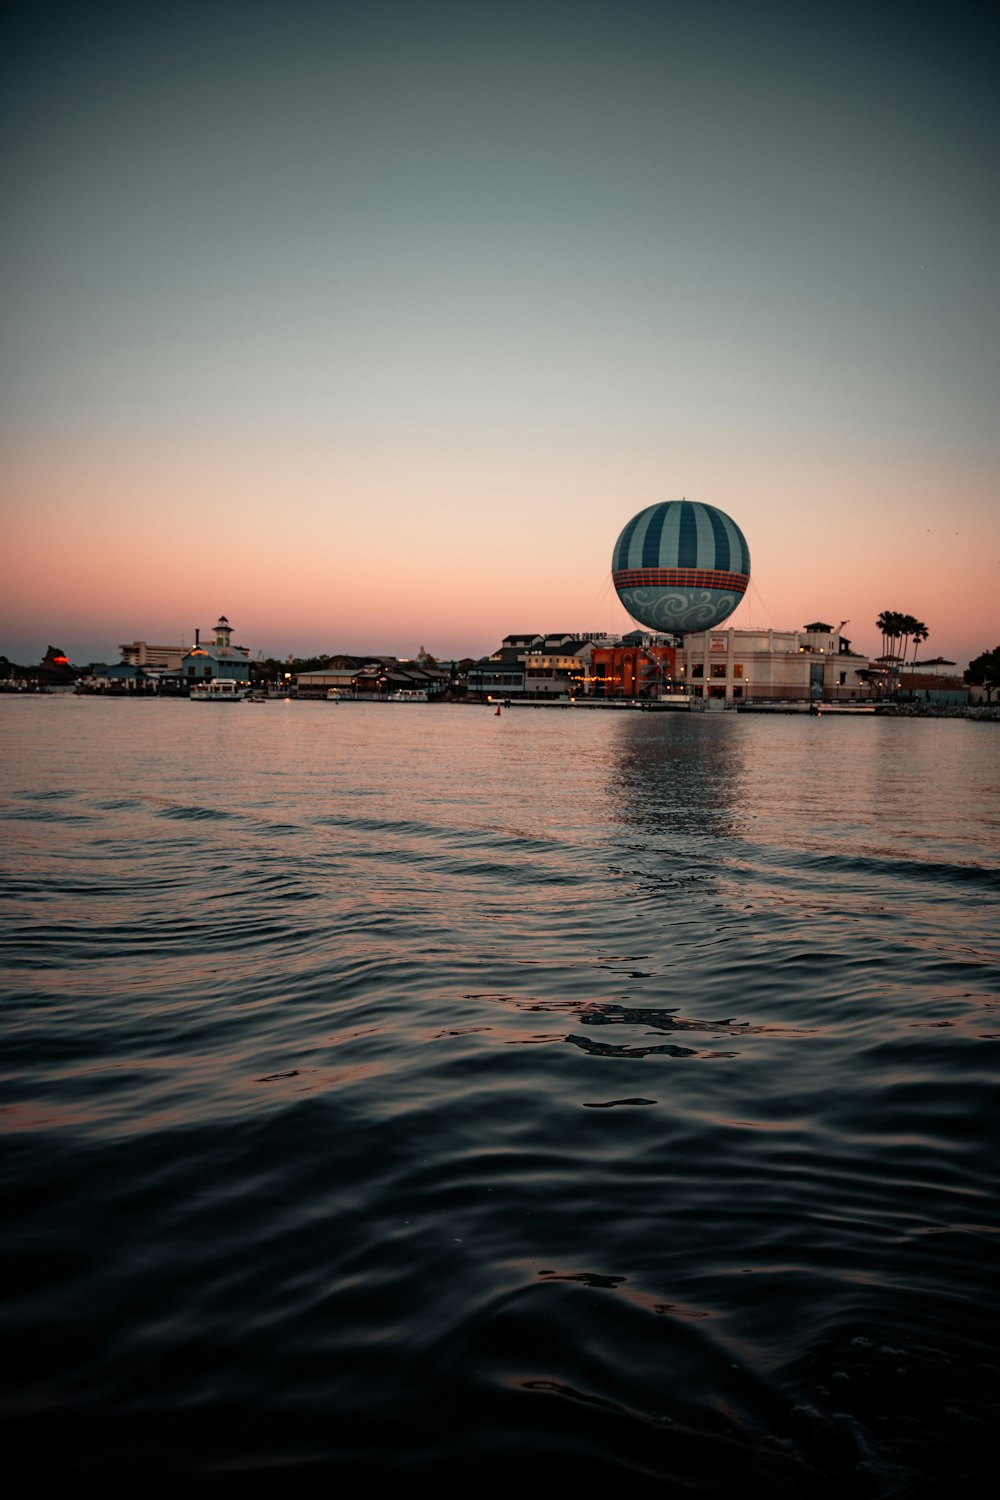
(221, 690)
(401, 695)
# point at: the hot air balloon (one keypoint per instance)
(680, 566)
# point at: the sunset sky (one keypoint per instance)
(370, 324)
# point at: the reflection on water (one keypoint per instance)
(678, 774)
(604, 1096)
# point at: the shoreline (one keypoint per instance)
(989, 712)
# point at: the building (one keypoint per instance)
(537, 666)
(934, 681)
(117, 678)
(723, 666)
(935, 666)
(815, 662)
(501, 674)
(638, 666)
(339, 673)
(158, 658)
(377, 676)
(380, 679)
(217, 660)
(558, 666)
(54, 670)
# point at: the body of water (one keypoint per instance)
(559, 1097)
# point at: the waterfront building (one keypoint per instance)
(558, 666)
(537, 666)
(379, 680)
(218, 659)
(339, 674)
(816, 662)
(500, 675)
(724, 666)
(638, 666)
(377, 676)
(116, 677)
(935, 681)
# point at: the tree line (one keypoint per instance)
(984, 671)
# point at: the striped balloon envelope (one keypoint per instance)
(680, 566)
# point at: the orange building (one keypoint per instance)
(632, 671)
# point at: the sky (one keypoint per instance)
(371, 324)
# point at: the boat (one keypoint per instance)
(221, 690)
(353, 695)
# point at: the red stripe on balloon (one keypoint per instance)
(688, 578)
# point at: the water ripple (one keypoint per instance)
(323, 1120)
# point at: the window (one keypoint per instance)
(718, 669)
(738, 669)
(698, 670)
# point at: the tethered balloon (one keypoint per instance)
(680, 566)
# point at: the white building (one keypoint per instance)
(161, 658)
(815, 662)
(936, 666)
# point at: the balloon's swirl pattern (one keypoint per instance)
(677, 610)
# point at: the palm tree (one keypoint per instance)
(896, 626)
(919, 634)
(882, 624)
(906, 625)
(895, 629)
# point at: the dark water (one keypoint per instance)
(574, 1098)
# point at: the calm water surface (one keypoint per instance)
(569, 1097)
